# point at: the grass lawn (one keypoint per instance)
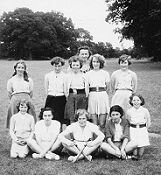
(149, 85)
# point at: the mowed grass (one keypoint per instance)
(149, 76)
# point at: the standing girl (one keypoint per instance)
(139, 119)
(21, 130)
(75, 88)
(96, 87)
(56, 90)
(123, 83)
(20, 86)
(85, 53)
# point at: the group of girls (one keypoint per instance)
(80, 94)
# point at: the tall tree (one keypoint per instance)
(27, 34)
(141, 22)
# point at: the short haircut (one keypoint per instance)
(84, 48)
(140, 97)
(22, 102)
(80, 112)
(75, 58)
(100, 58)
(43, 110)
(57, 60)
(117, 108)
(123, 58)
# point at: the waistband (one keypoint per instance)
(138, 126)
(97, 89)
(17, 93)
(127, 89)
(77, 91)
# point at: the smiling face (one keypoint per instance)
(23, 108)
(47, 116)
(136, 102)
(95, 63)
(84, 54)
(20, 68)
(75, 66)
(82, 119)
(124, 64)
(57, 67)
(115, 117)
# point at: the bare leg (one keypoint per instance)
(108, 149)
(94, 118)
(130, 146)
(56, 145)
(140, 152)
(34, 146)
(102, 122)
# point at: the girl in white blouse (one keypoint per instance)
(76, 94)
(97, 87)
(85, 134)
(139, 119)
(19, 86)
(123, 83)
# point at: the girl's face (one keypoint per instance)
(23, 108)
(57, 68)
(75, 66)
(84, 54)
(124, 65)
(82, 119)
(95, 63)
(20, 68)
(115, 117)
(136, 102)
(47, 116)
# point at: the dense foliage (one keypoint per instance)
(141, 21)
(28, 35)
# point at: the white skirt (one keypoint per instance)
(139, 136)
(121, 98)
(19, 149)
(98, 103)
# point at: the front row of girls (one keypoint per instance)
(81, 138)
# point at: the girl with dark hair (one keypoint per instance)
(55, 88)
(97, 87)
(19, 86)
(139, 119)
(46, 133)
(117, 134)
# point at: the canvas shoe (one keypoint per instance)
(36, 156)
(51, 156)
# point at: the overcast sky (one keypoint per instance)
(87, 14)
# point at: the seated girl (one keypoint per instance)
(82, 132)
(21, 129)
(46, 133)
(117, 134)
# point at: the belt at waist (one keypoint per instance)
(125, 89)
(77, 91)
(138, 126)
(97, 89)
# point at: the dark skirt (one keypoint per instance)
(57, 104)
(74, 102)
(12, 109)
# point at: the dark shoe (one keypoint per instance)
(134, 157)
